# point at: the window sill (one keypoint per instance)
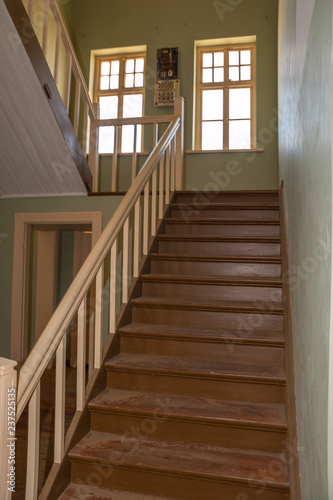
(223, 151)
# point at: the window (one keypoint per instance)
(119, 90)
(226, 97)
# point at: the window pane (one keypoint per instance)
(139, 65)
(245, 57)
(106, 140)
(239, 103)
(218, 59)
(105, 68)
(240, 134)
(132, 105)
(115, 68)
(233, 57)
(127, 138)
(114, 82)
(130, 66)
(212, 135)
(105, 82)
(139, 79)
(218, 75)
(245, 72)
(234, 74)
(212, 104)
(207, 76)
(108, 107)
(207, 60)
(129, 81)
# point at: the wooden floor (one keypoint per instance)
(47, 430)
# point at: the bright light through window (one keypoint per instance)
(120, 93)
(226, 97)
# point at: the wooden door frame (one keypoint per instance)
(21, 259)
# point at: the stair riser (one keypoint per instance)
(173, 485)
(209, 387)
(212, 292)
(160, 426)
(220, 197)
(244, 323)
(220, 248)
(221, 351)
(195, 212)
(216, 269)
(222, 229)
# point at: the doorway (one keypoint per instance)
(41, 273)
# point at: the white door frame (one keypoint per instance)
(21, 259)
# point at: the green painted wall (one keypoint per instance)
(305, 153)
(106, 204)
(119, 23)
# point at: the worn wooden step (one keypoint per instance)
(196, 377)
(212, 288)
(225, 211)
(223, 227)
(219, 245)
(203, 198)
(215, 265)
(229, 424)
(204, 346)
(257, 337)
(186, 471)
(89, 492)
(232, 314)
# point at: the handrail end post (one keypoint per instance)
(8, 380)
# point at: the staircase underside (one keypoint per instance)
(194, 406)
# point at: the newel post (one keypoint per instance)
(93, 148)
(179, 111)
(8, 377)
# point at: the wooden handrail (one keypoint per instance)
(46, 346)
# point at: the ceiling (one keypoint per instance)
(34, 157)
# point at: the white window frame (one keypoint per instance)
(122, 90)
(226, 86)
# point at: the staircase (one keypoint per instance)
(194, 406)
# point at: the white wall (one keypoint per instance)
(305, 48)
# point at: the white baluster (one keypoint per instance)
(113, 287)
(81, 356)
(60, 392)
(136, 250)
(146, 219)
(114, 161)
(161, 189)
(125, 261)
(31, 490)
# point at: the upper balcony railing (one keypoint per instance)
(47, 21)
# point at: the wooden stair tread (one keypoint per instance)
(218, 238)
(210, 305)
(264, 259)
(85, 492)
(252, 205)
(189, 367)
(272, 416)
(200, 461)
(264, 337)
(213, 280)
(221, 221)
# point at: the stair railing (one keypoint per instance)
(115, 259)
(42, 14)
